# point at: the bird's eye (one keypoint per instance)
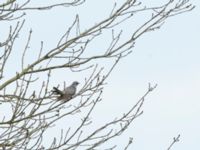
(76, 83)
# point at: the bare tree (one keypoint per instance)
(31, 112)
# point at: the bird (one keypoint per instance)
(67, 93)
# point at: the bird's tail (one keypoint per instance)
(57, 91)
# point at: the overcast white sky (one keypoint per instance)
(169, 57)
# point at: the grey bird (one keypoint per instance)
(67, 93)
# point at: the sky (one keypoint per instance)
(168, 57)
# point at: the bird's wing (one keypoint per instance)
(70, 90)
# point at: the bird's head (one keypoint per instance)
(75, 83)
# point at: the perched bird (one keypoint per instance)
(67, 93)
